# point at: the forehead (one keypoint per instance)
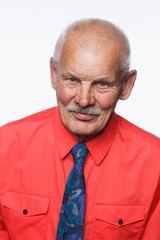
(90, 57)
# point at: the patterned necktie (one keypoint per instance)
(70, 226)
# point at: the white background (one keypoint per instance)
(28, 31)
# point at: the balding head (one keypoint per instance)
(95, 35)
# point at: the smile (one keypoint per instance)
(83, 116)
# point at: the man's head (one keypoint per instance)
(90, 73)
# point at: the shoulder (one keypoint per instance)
(130, 130)
(35, 118)
(28, 125)
(140, 145)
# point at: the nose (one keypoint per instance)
(84, 96)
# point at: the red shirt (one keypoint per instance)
(122, 172)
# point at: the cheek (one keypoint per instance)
(107, 101)
(64, 95)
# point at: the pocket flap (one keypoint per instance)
(120, 215)
(25, 204)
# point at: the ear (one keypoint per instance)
(128, 84)
(53, 72)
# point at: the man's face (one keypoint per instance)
(87, 89)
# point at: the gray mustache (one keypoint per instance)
(87, 110)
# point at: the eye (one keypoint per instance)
(70, 80)
(102, 84)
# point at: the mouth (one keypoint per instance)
(83, 116)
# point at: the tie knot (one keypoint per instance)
(79, 152)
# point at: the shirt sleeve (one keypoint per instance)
(152, 228)
(3, 232)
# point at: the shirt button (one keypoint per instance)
(25, 211)
(120, 221)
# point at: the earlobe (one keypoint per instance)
(128, 84)
(53, 72)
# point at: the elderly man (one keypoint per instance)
(79, 170)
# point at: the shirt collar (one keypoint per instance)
(64, 140)
(98, 146)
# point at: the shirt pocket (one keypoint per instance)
(116, 222)
(25, 215)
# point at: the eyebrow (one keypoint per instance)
(98, 79)
(70, 75)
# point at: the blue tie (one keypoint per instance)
(70, 226)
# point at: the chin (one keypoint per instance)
(83, 130)
(83, 134)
